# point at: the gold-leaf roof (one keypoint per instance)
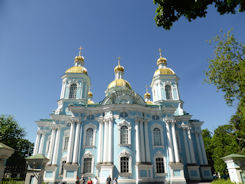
(164, 71)
(119, 82)
(77, 69)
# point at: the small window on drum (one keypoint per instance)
(155, 117)
(123, 114)
(90, 117)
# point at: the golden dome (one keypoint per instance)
(77, 69)
(147, 95)
(149, 102)
(164, 71)
(119, 82)
(79, 58)
(90, 94)
(90, 102)
(161, 60)
(119, 68)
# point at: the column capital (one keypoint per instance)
(169, 120)
(108, 119)
(74, 120)
(139, 119)
(100, 119)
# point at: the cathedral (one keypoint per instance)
(132, 138)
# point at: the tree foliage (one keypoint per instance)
(169, 11)
(13, 135)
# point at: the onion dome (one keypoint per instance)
(78, 68)
(147, 97)
(119, 82)
(90, 97)
(162, 66)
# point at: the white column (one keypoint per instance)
(77, 143)
(51, 147)
(105, 154)
(203, 150)
(187, 152)
(62, 90)
(70, 144)
(199, 148)
(137, 141)
(100, 142)
(35, 151)
(191, 146)
(176, 150)
(40, 151)
(142, 144)
(148, 157)
(56, 147)
(170, 146)
(110, 140)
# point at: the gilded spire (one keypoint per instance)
(79, 58)
(161, 59)
(119, 68)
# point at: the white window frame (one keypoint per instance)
(125, 153)
(160, 155)
(87, 154)
(90, 125)
(75, 94)
(66, 134)
(161, 133)
(119, 126)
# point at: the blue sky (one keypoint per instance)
(39, 40)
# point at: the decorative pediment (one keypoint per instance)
(123, 97)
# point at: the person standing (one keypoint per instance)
(82, 181)
(115, 181)
(96, 181)
(89, 181)
(108, 180)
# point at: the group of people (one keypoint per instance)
(96, 181)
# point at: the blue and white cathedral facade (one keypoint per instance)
(125, 136)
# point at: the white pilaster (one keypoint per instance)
(105, 154)
(203, 149)
(40, 151)
(137, 141)
(170, 146)
(193, 160)
(110, 122)
(199, 148)
(51, 147)
(148, 157)
(99, 156)
(77, 143)
(176, 150)
(142, 144)
(70, 144)
(188, 159)
(35, 151)
(56, 147)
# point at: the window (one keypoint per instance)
(124, 162)
(62, 167)
(168, 92)
(157, 137)
(123, 114)
(159, 165)
(124, 135)
(73, 91)
(89, 137)
(87, 165)
(66, 143)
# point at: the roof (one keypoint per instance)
(37, 156)
(4, 146)
(234, 156)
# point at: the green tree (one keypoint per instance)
(227, 72)
(207, 139)
(223, 144)
(169, 11)
(13, 135)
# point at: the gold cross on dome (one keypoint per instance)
(118, 60)
(160, 52)
(80, 50)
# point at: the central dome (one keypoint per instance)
(164, 71)
(119, 82)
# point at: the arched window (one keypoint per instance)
(89, 137)
(159, 165)
(124, 135)
(124, 162)
(168, 92)
(87, 165)
(157, 140)
(73, 91)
